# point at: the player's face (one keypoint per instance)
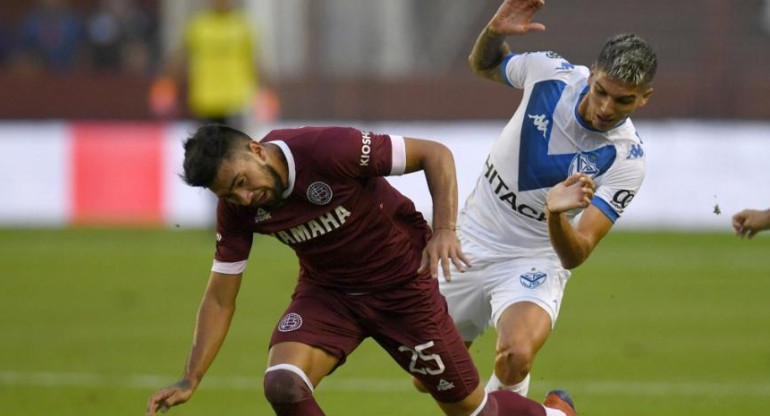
(248, 179)
(608, 102)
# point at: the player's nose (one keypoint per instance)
(245, 197)
(606, 108)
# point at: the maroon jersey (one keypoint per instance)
(349, 227)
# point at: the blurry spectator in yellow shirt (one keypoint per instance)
(218, 56)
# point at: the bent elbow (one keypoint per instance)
(571, 263)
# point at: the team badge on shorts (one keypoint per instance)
(319, 193)
(532, 279)
(290, 322)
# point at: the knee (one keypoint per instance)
(286, 384)
(516, 357)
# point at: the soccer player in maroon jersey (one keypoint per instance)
(368, 262)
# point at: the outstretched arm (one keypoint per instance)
(573, 245)
(214, 315)
(749, 222)
(514, 17)
(437, 162)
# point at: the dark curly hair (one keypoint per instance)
(205, 150)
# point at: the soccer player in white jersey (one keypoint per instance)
(569, 148)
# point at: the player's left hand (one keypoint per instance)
(442, 248)
(574, 192)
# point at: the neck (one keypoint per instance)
(279, 163)
(582, 108)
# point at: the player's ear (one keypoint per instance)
(646, 96)
(592, 74)
(257, 148)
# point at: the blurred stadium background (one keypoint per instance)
(104, 253)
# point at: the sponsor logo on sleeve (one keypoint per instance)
(622, 198)
(366, 148)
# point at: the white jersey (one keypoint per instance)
(544, 142)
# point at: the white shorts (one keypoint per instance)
(479, 296)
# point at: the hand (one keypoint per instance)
(172, 395)
(574, 192)
(443, 247)
(514, 17)
(749, 222)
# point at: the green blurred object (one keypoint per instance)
(95, 320)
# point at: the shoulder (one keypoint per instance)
(309, 135)
(530, 67)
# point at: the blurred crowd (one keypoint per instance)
(59, 36)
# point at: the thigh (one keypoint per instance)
(413, 326)
(316, 318)
(537, 281)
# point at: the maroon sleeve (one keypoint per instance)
(233, 237)
(349, 152)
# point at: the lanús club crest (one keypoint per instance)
(290, 322)
(319, 193)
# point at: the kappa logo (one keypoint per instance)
(290, 322)
(636, 152)
(262, 215)
(444, 385)
(540, 122)
(532, 279)
(319, 193)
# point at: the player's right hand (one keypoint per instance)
(749, 222)
(574, 192)
(443, 248)
(172, 395)
(514, 17)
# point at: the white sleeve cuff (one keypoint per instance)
(398, 164)
(229, 268)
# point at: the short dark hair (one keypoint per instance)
(205, 150)
(629, 59)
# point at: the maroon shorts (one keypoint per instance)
(410, 322)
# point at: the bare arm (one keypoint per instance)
(514, 17)
(573, 245)
(214, 316)
(437, 162)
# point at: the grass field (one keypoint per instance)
(92, 321)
